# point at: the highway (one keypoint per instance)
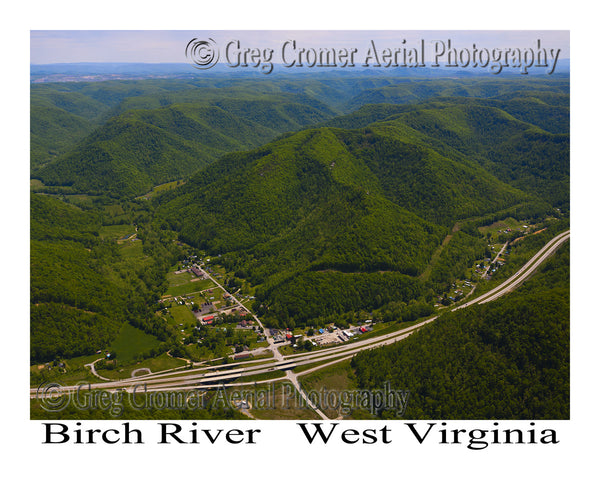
(524, 272)
(201, 376)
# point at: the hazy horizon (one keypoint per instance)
(168, 46)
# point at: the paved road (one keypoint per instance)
(93, 369)
(487, 269)
(213, 376)
(523, 273)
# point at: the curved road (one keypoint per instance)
(205, 377)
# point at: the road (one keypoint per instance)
(494, 260)
(272, 346)
(202, 376)
(524, 272)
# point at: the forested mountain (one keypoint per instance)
(83, 287)
(331, 214)
(507, 359)
(547, 110)
(506, 137)
(406, 91)
(62, 114)
(330, 220)
(58, 123)
(140, 148)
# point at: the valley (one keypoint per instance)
(193, 234)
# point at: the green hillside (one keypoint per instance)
(403, 91)
(138, 149)
(83, 288)
(377, 207)
(507, 359)
(62, 114)
(126, 157)
(332, 207)
(505, 137)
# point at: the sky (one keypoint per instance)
(168, 46)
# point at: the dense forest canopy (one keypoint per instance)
(329, 195)
(507, 359)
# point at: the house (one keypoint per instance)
(196, 271)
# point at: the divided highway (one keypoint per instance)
(206, 377)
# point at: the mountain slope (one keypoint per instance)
(138, 149)
(520, 153)
(126, 157)
(507, 359)
(418, 90)
(330, 206)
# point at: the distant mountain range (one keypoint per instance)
(122, 137)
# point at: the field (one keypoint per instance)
(131, 342)
(509, 222)
(157, 364)
(185, 282)
(182, 314)
(161, 188)
(132, 249)
(35, 184)
(335, 379)
(276, 401)
(116, 232)
(74, 371)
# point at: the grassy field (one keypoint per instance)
(130, 342)
(132, 249)
(510, 222)
(185, 283)
(163, 187)
(182, 314)
(278, 401)
(335, 379)
(183, 319)
(260, 376)
(114, 209)
(157, 364)
(35, 184)
(116, 232)
(73, 372)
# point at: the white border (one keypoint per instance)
(282, 454)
